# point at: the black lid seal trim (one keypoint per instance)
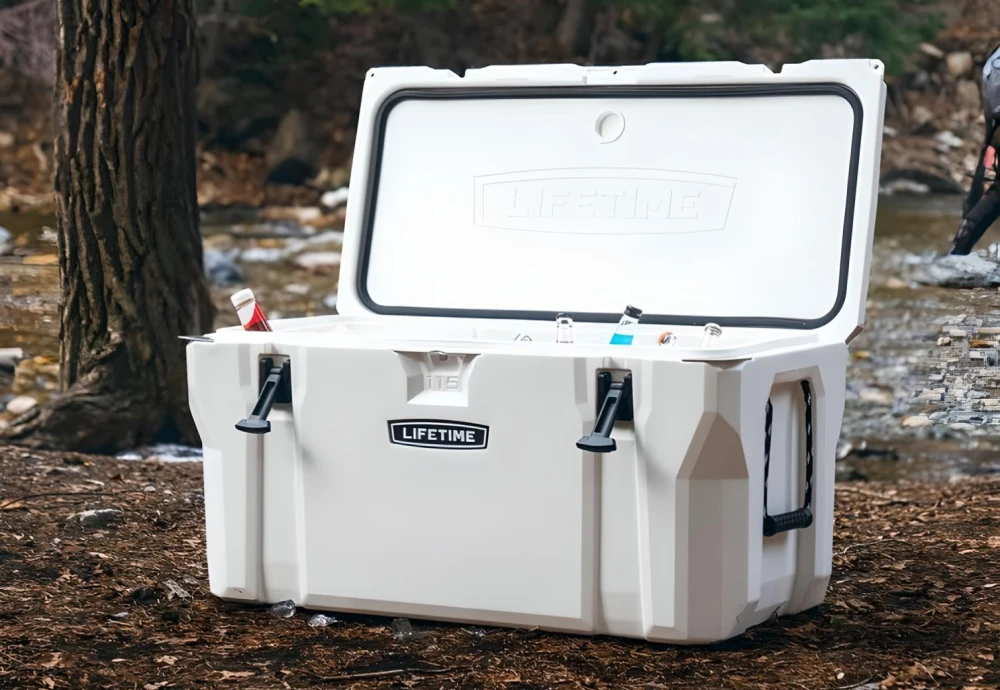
(605, 91)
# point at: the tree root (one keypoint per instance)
(89, 421)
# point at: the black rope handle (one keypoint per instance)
(802, 517)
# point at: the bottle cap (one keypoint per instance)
(242, 297)
(632, 312)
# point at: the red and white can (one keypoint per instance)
(249, 311)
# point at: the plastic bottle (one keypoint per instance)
(625, 331)
(712, 333)
(564, 328)
(249, 311)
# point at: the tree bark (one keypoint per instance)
(573, 28)
(130, 254)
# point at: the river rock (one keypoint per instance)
(220, 268)
(262, 255)
(969, 271)
(318, 260)
(21, 404)
(931, 50)
(100, 517)
(37, 373)
(946, 140)
(335, 199)
(959, 64)
(969, 96)
(291, 155)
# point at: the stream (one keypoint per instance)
(915, 409)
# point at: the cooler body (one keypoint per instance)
(444, 482)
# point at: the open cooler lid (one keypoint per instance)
(698, 192)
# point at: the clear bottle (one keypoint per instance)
(712, 333)
(625, 331)
(564, 328)
(249, 311)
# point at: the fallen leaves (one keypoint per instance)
(54, 660)
(233, 675)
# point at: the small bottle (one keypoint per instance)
(667, 338)
(712, 333)
(249, 311)
(625, 331)
(564, 328)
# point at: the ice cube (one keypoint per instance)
(283, 609)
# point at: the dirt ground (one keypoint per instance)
(914, 603)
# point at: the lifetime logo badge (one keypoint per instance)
(434, 433)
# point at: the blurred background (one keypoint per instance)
(277, 97)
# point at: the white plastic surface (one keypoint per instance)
(661, 539)
(698, 207)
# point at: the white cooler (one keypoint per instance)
(431, 452)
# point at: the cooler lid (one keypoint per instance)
(698, 192)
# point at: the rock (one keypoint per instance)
(6, 140)
(5, 235)
(300, 214)
(946, 140)
(931, 50)
(920, 116)
(9, 357)
(297, 289)
(318, 260)
(955, 333)
(961, 426)
(889, 131)
(920, 179)
(101, 517)
(904, 187)
(37, 373)
(21, 404)
(959, 64)
(895, 283)
(969, 271)
(969, 95)
(335, 199)
(848, 474)
(944, 341)
(876, 396)
(291, 155)
(330, 301)
(49, 235)
(917, 422)
(844, 450)
(262, 255)
(220, 269)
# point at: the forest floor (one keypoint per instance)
(914, 602)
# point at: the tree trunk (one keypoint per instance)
(130, 256)
(573, 27)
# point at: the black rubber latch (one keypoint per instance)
(617, 397)
(275, 387)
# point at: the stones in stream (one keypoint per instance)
(953, 271)
(220, 269)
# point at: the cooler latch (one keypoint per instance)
(275, 387)
(615, 399)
